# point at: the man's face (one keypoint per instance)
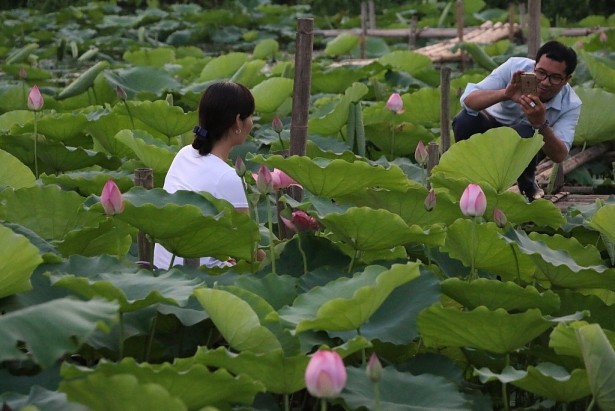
(551, 76)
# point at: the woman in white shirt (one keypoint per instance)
(225, 120)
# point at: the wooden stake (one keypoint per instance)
(364, 28)
(533, 41)
(445, 116)
(372, 14)
(144, 177)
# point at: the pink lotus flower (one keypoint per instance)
(264, 180)
(420, 154)
(277, 125)
(395, 103)
(111, 198)
(301, 222)
(121, 93)
(282, 180)
(473, 202)
(240, 167)
(430, 200)
(499, 218)
(325, 375)
(35, 99)
(374, 368)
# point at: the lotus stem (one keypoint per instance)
(121, 348)
(323, 405)
(280, 138)
(132, 121)
(150, 339)
(377, 395)
(172, 261)
(354, 257)
(504, 387)
(270, 226)
(35, 144)
(392, 140)
(286, 402)
(305, 268)
(591, 404)
(516, 263)
(473, 274)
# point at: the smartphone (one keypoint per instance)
(529, 85)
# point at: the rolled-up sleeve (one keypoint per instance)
(564, 126)
(496, 80)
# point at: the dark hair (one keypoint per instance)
(218, 109)
(559, 52)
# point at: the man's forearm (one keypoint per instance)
(554, 148)
(481, 99)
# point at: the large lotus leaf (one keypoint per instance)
(336, 80)
(223, 67)
(409, 204)
(51, 329)
(495, 294)
(347, 303)
(594, 127)
(333, 178)
(61, 126)
(108, 237)
(408, 61)
(104, 129)
(541, 212)
(46, 210)
(46, 250)
(497, 157)
(250, 74)
(15, 118)
(399, 139)
(186, 379)
(41, 398)
(280, 374)
(150, 151)
(61, 158)
(128, 394)
(237, 321)
(402, 391)
(89, 182)
(271, 93)
(423, 107)
(554, 258)
(265, 48)
(18, 258)
(563, 339)
(602, 74)
(341, 45)
(277, 290)
(14, 173)
(367, 229)
(603, 221)
(168, 120)
(601, 312)
(332, 117)
(494, 331)
(150, 57)
(140, 79)
(481, 244)
(186, 222)
(599, 359)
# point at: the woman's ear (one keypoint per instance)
(238, 123)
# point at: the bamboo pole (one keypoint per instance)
(445, 87)
(364, 28)
(144, 177)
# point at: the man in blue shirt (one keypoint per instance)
(553, 112)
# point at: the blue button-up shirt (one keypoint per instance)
(563, 110)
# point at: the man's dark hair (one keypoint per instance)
(559, 52)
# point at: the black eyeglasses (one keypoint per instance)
(555, 79)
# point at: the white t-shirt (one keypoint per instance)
(194, 172)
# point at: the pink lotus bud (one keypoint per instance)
(499, 218)
(121, 93)
(22, 73)
(420, 154)
(35, 99)
(395, 103)
(374, 368)
(473, 202)
(430, 200)
(281, 180)
(264, 180)
(301, 222)
(325, 375)
(240, 167)
(277, 125)
(111, 198)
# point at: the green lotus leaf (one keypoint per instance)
(477, 160)
(151, 152)
(46, 250)
(494, 331)
(187, 379)
(563, 339)
(51, 329)
(237, 321)
(18, 258)
(481, 246)
(555, 382)
(408, 61)
(15, 118)
(14, 173)
(594, 127)
(280, 374)
(399, 139)
(602, 221)
(144, 56)
(341, 45)
(599, 359)
(277, 290)
(601, 310)
(602, 74)
(367, 229)
(142, 79)
(554, 259)
(250, 74)
(60, 158)
(108, 237)
(333, 116)
(168, 120)
(128, 393)
(271, 93)
(336, 80)
(104, 129)
(39, 397)
(402, 391)
(65, 127)
(89, 182)
(223, 67)
(185, 223)
(423, 107)
(265, 48)
(333, 178)
(541, 212)
(497, 294)
(347, 303)
(46, 210)
(508, 375)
